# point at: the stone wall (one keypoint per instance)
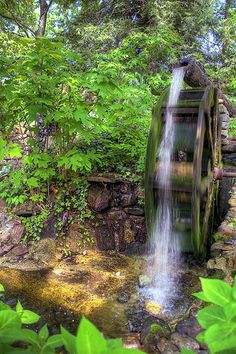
(228, 158)
(119, 214)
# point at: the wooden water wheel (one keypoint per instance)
(196, 152)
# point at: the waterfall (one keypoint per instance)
(165, 242)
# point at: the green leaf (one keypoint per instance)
(201, 337)
(1, 288)
(201, 296)
(186, 351)
(4, 306)
(210, 315)
(19, 308)
(32, 182)
(11, 335)
(216, 291)
(69, 341)
(15, 151)
(29, 317)
(44, 333)
(89, 340)
(114, 343)
(221, 337)
(234, 289)
(55, 341)
(124, 351)
(9, 319)
(230, 311)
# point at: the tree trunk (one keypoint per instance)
(44, 7)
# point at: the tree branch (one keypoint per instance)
(18, 23)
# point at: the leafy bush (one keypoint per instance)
(218, 319)
(15, 339)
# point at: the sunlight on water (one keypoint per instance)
(165, 243)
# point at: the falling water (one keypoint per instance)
(165, 242)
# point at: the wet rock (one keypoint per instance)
(144, 281)
(105, 239)
(105, 179)
(153, 308)
(229, 148)
(232, 201)
(224, 133)
(218, 263)
(136, 320)
(230, 159)
(123, 298)
(26, 210)
(225, 125)
(19, 250)
(166, 347)
(153, 328)
(223, 109)
(134, 211)
(99, 198)
(128, 199)
(190, 327)
(224, 117)
(3, 217)
(11, 233)
(131, 341)
(139, 228)
(182, 340)
(129, 234)
(218, 248)
(116, 220)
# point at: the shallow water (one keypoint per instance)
(91, 285)
(101, 286)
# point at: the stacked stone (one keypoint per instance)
(224, 117)
(223, 252)
(120, 223)
(228, 143)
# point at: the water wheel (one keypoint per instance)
(196, 152)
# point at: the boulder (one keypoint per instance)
(17, 251)
(11, 234)
(128, 199)
(189, 327)
(99, 198)
(134, 211)
(166, 347)
(26, 209)
(182, 340)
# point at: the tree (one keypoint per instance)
(20, 17)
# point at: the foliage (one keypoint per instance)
(34, 225)
(218, 320)
(232, 127)
(15, 338)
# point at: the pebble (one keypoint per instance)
(144, 281)
(122, 299)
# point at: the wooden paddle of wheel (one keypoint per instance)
(196, 152)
